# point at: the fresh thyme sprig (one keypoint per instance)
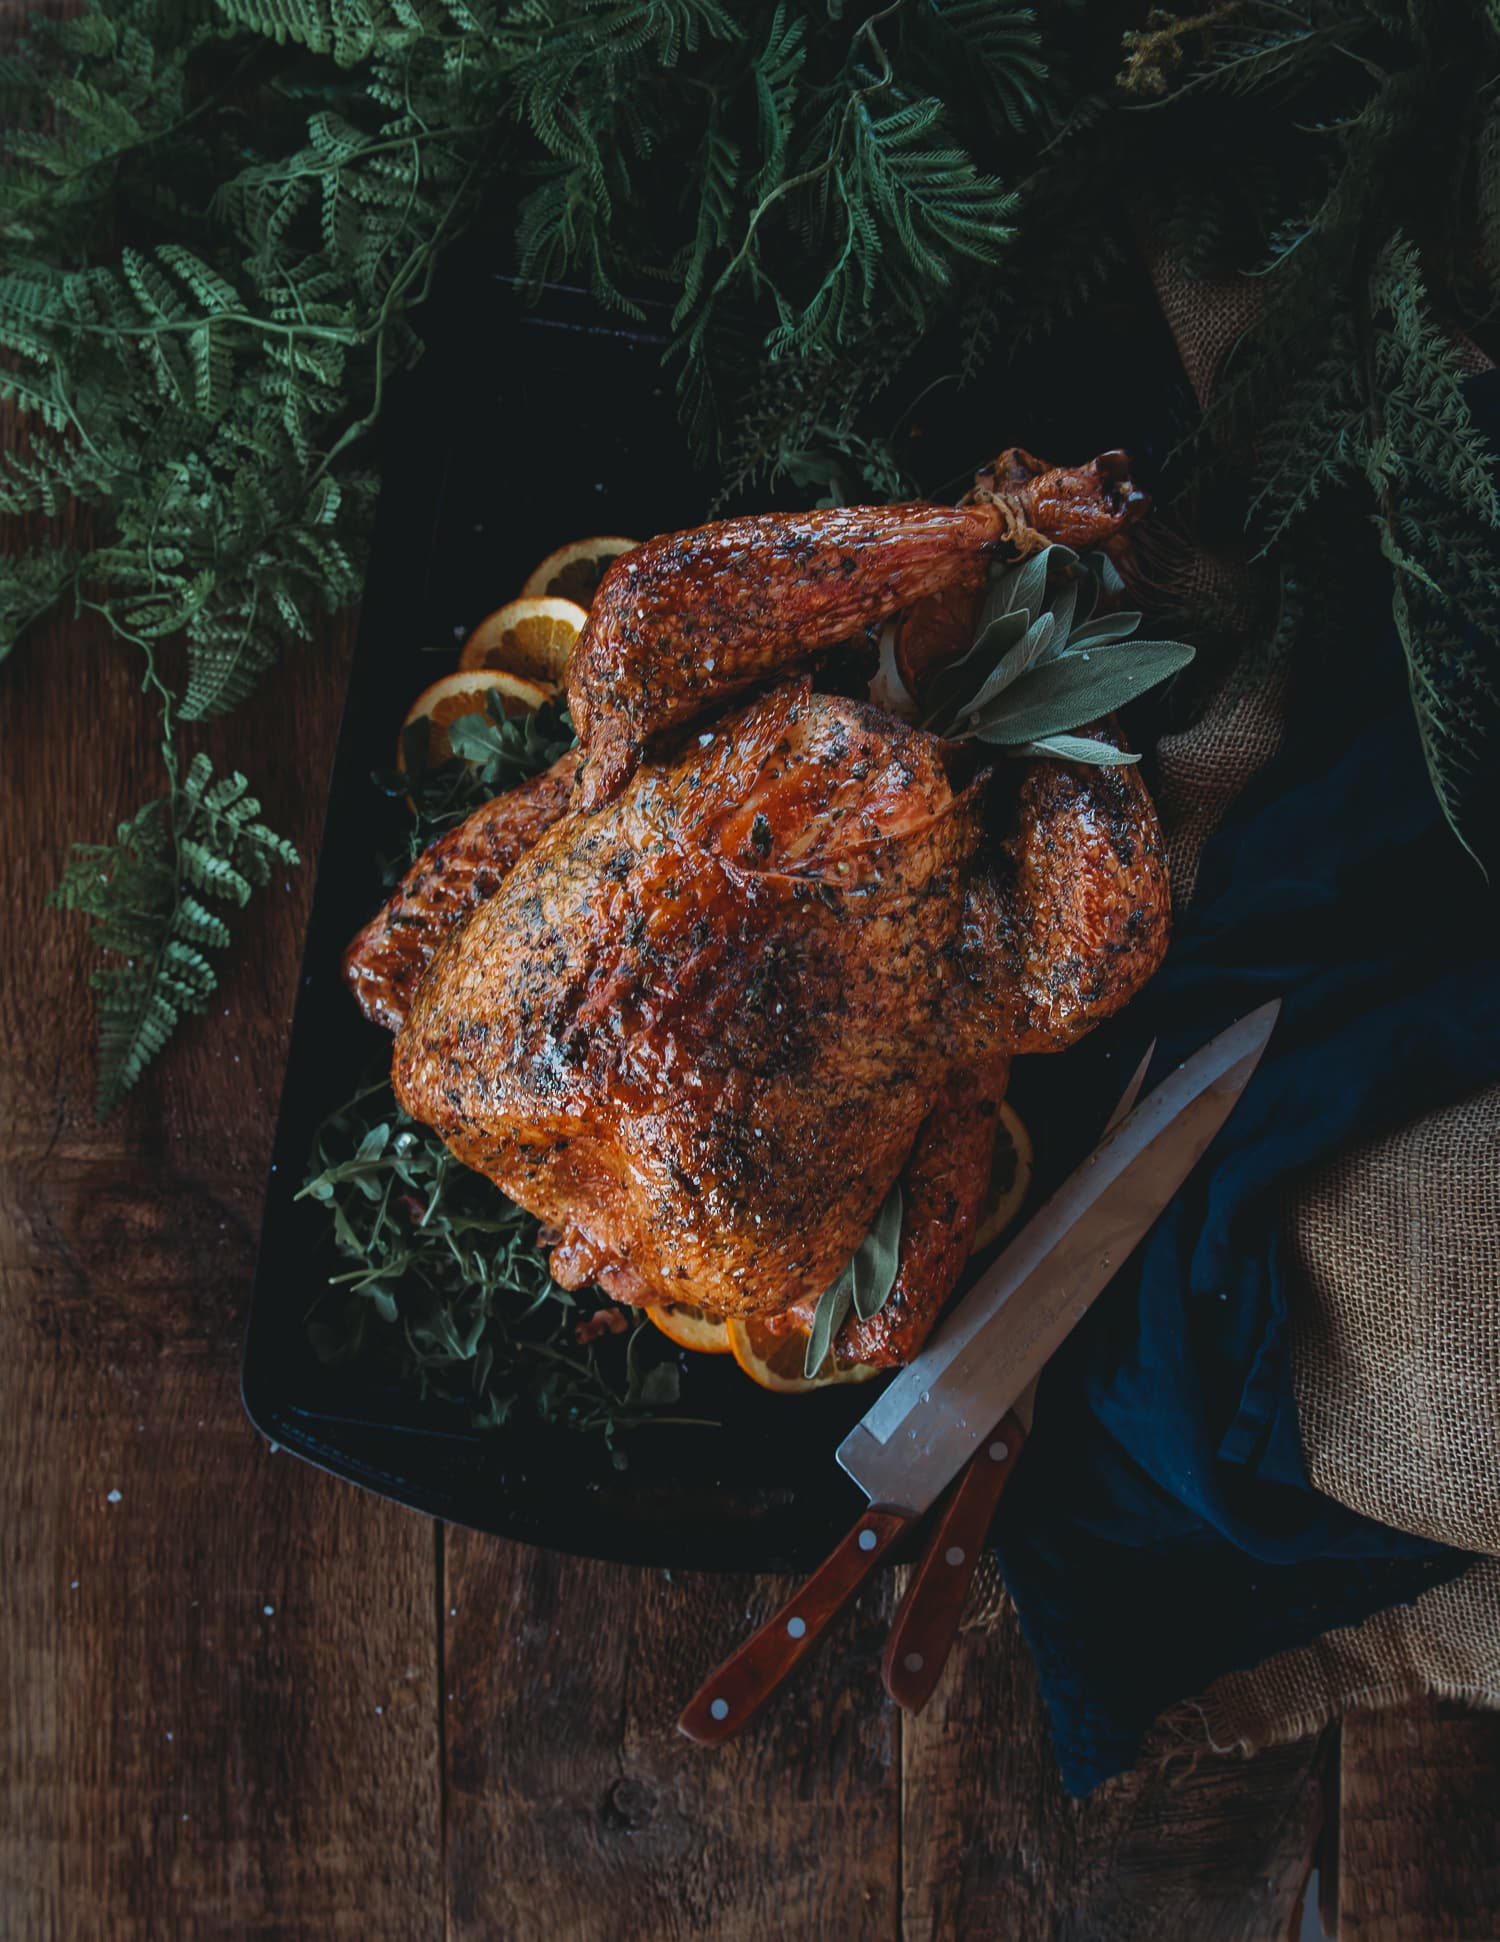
(441, 1276)
(491, 753)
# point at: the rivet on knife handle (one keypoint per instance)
(922, 1635)
(743, 1684)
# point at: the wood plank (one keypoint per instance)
(576, 1810)
(1218, 1850)
(218, 1669)
(1419, 1857)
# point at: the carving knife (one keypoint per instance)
(927, 1424)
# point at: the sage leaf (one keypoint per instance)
(1079, 688)
(1111, 580)
(994, 640)
(1077, 748)
(1043, 662)
(1093, 633)
(1031, 648)
(865, 1284)
(1024, 588)
(1065, 614)
(877, 1258)
(828, 1319)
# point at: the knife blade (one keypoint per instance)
(1126, 1101)
(917, 1436)
(926, 1424)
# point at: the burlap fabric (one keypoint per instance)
(1396, 1337)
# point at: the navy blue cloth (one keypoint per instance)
(1161, 1530)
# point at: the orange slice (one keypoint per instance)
(692, 1328)
(466, 694)
(574, 571)
(531, 638)
(1010, 1180)
(773, 1358)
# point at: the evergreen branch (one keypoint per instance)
(1314, 442)
(144, 893)
(30, 584)
(1242, 47)
(1432, 474)
(1427, 426)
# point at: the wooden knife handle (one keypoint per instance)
(922, 1635)
(743, 1684)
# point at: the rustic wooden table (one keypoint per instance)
(242, 1699)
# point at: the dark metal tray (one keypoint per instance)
(522, 428)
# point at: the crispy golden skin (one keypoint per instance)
(698, 616)
(766, 591)
(1069, 917)
(697, 1032)
(702, 1025)
(384, 964)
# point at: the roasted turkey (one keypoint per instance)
(700, 993)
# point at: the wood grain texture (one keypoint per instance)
(576, 1810)
(218, 1676)
(1418, 1846)
(1216, 1850)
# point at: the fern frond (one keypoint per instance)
(1319, 257)
(31, 584)
(903, 210)
(1451, 678)
(712, 189)
(145, 893)
(774, 75)
(996, 49)
(1427, 426)
(1238, 47)
(1047, 285)
(1487, 194)
(1433, 476)
(1314, 442)
(50, 476)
